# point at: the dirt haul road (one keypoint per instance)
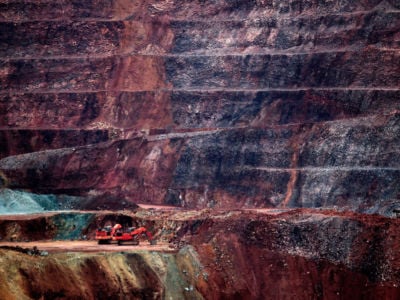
(86, 246)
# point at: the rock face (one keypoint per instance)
(203, 103)
(300, 254)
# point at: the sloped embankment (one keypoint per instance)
(136, 275)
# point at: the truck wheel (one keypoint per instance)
(153, 242)
(119, 242)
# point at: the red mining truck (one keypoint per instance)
(132, 235)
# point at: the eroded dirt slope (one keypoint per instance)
(129, 275)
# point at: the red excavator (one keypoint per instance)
(132, 235)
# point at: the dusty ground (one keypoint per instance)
(86, 246)
(158, 207)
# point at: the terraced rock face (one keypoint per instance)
(203, 103)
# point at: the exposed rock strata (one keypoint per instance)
(296, 165)
(203, 104)
(220, 104)
(299, 254)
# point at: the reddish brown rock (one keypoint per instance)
(221, 255)
(204, 104)
(39, 140)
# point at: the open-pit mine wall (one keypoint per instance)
(298, 254)
(202, 103)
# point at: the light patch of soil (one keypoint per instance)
(87, 246)
(158, 207)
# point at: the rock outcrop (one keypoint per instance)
(203, 104)
(302, 254)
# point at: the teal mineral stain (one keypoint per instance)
(70, 226)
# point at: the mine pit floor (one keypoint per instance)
(87, 246)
